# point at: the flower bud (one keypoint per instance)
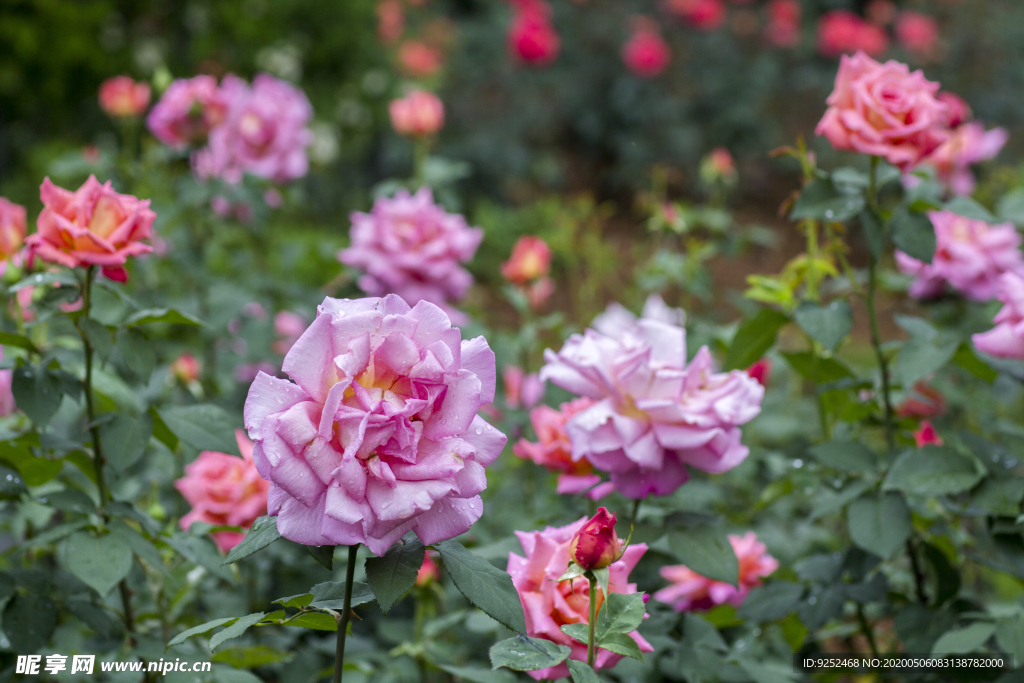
(186, 368)
(530, 260)
(595, 545)
(419, 113)
(428, 572)
(121, 97)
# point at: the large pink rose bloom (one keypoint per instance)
(410, 246)
(265, 132)
(884, 110)
(968, 144)
(549, 603)
(970, 256)
(653, 415)
(379, 433)
(691, 591)
(1006, 339)
(224, 490)
(93, 225)
(187, 111)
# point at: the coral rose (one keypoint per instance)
(553, 449)
(224, 490)
(549, 603)
(187, 111)
(390, 20)
(1006, 339)
(186, 368)
(12, 231)
(122, 97)
(646, 53)
(653, 414)
(917, 33)
(691, 591)
(418, 114)
(530, 260)
(94, 225)
(379, 434)
(419, 60)
(970, 256)
(884, 110)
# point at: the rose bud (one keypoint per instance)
(595, 545)
(428, 572)
(418, 114)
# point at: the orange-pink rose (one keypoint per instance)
(12, 230)
(94, 225)
(121, 97)
(417, 114)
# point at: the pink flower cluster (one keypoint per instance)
(261, 129)
(970, 256)
(410, 246)
(691, 591)
(532, 38)
(549, 603)
(224, 490)
(379, 434)
(1006, 339)
(653, 414)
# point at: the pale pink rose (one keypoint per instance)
(843, 32)
(7, 405)
(970, 256)
(265, 132)
(122, 97)
(410, 246)
(553, 449)
(93, 225)
(224, 490)
(23, 303)
(549, 603)
(1006, 339)
(926, 435)
(12, 232)
(418, 114)
(884, 110)
(538, 293)
(691, 591)
(918, 33)
(289, 327)
(646, 53)
(187, 111)
(968, 144)
(653, 414)
(379, 435)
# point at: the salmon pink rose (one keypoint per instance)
(224, 490)
(94, 225)
(884, 110)
(418, 114)
(122, 97)
(1006, 339)
(917, 33)
(187, 111)
(549, 603)
(12, 232)
(419, 60)
(691, 591)
(553, 449)
(530, 260)
(378, 435)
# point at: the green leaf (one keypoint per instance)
(845, 456)
(817, 370)
(19, 341)
(125, 439)
(249, 657)
(331, 594)
(874, 232)
(62, 277)
(706, 550)
(969, 208)
(200, 551)
(99, 561)
(226, 674)
(37, 392)
(879, 524)
(484, 585)
(318, 621)
(262, 533)
(581, 632)
(1011, 207)
(1010, 636)
(963, 640)
(913, 234)
(169, 316)
(828, 325)
(323, 554)
(29, 620)
(142, 548)
(205, 427)
(99, 337)
(771, 601)
(932, 471)
(69, 500)
(35, 471)
(621, 613)
(137, 352)
(969, 361)
(753, 338)
(622, 644)
(199, 630)
(395, 573)
(821, 201)
(920, 357)
(582, 672)
(1000, 496)
(520, 653)
(475, 674)
(236, 629)
(947, 576)
(160, 430)
(11, 483)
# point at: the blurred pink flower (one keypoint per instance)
(549, 603)
(970, 256)
(122, 97)
(884, 110)
(23, 302)
(418, 114)
(412, 247)
(187, 111)
(390, 20)
(247, 372)
(539, 292)
(530, 260)
(224, 490)
(7, 405)
(958, 110)
(706, 15)
(842, 32)
(691, 591)
(429, 572)
(265, 132)
(553, 449)
(254, 309)
(12, 232)
(379, 433)
(881, 12)
(926, 435)
(653, 414)
(186, 368)
(783, 28)
(521, 390)
(646, 53)
(917, 33)
(418, 59)
(967, 145)
(923, 401)
(289, 327)
(94, 225)
(1006, 339)
(761, 371)
(531, 37)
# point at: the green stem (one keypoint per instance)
(915, 568)
(866, 628)
(90, 406)
(636, 511)
(592, 630)
(876, 338)
(346, 613)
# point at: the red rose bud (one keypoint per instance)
(926, 435)
(761, 371)
(595, 545)
(428, 572)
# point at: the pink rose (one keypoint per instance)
(12, 232)
(530, 260)
(926, 435)
(7, 405)
(553, 449)
(959, 111)
(418, 114)
(884, 110)
(646, 53)
(289, 327)
(843, 32)
(653, 414)
(418, 59)
(265, 132)
(428, 572)
(390, 20)
(186, 368)
(224, 490)
(691, 591)
(521, 389)
(121, 97)
(531, 37)
(970, 256)
(918, 33)
(379, 434)
(412, 247)
(783, 28)
(94, 225)
(761, 371)
(596, 545)
(187, 111)
(706, 15)
(923, 401)
(967, 145)
(549, 603)
(1006, 339)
